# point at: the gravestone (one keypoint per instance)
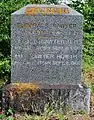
(46, 45)
(46, 48)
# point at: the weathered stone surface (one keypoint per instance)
(46, 46)
(67, 99)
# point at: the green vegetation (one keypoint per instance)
(9, 6)
(6, 8)
(48, 114)
(87, 10)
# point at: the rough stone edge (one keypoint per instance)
(80, 88)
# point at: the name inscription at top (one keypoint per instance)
(46, 11)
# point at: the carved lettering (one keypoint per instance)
(46, 10)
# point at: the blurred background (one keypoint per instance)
(85, 7)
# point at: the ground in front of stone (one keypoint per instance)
(69, 116)
(55, 117)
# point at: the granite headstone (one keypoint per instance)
(46, 48)
(46, 45)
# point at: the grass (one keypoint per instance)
(88, 78)
(50, 116)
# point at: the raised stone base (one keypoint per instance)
(76, 98)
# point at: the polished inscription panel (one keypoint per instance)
(46, 48)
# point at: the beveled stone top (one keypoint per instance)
(70, 11)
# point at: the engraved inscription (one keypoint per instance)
(50, 48)
(46, 11)
(46, 45)
(33, 25)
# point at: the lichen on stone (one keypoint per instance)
(22, 87)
